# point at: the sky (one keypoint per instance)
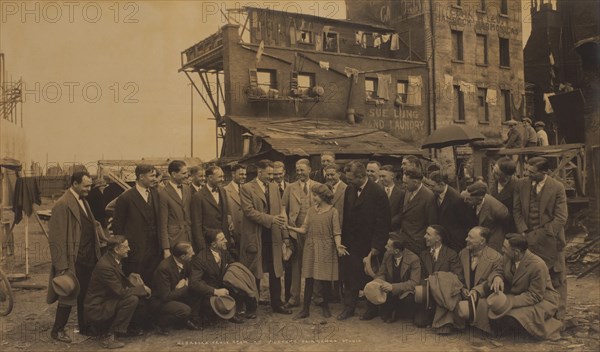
(101, 78)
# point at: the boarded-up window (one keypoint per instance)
(482, 105)
(459, 104)
(457, 45)
(504, 52)
(482, 55)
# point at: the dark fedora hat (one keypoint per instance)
(66, 284)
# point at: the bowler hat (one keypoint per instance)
(371, 265)
(540, 124)
(498, 305)
(512, 123)
(467, 309)
(65, 285)
(422, 293)
(286, 251)
(223, 306)
(374, 293)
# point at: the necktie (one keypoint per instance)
(281, 190)
(180, 188)
(534, 187)
(513, 268)
(215, 190)
(305, 188)
(359, 191)
(440, 200)
(148, 197)
(268, 209)
(474, 261)
(388, 190)
(433, 255)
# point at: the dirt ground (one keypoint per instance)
(27, 328)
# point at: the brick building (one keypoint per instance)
(292, 84)
(474, 50)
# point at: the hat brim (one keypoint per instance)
(506, 309)
(371, 265)
(227, 316)
(473, 308)
(59, 291)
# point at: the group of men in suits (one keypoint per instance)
(463, 233)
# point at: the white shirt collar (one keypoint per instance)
(74, 193)
(443, 194)
(260, 184)
(364, 184)
(197, 188)
(143, 191)
(540, 184)
(174, 185)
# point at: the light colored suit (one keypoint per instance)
(490, 265)
(292, 202)
(175, 219)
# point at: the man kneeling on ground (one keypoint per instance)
(208, 268)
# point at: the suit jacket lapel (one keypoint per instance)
(466, 263)
(482, 265)
(297, 191)
(545, 195)
(258, 191)
(208, 194)
(483, 213)
(173, 193)
(74, 206)
(230, 188)
(525, 197)
(140, 203)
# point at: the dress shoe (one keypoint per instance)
(282, 310)
(345, 314)
(369, 314)
(304, 313)
(60, 336)
(236, 319)
(250, 315)
(110, 342)
(131, 332)
(190, 325)
(325, 311)
(444, 330)
(289, 305)
(161, 331)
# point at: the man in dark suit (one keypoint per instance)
(74, 249)
(387, 177)
(437, 257)
(234, 202)
(452, 211)
(365, 230)
(111, 298)
(172, 298)
(208, 269)
(503, 187)
(175, 199)
(197, 178)
(137, 217)
(488, 212)
(327, 158)
(209, 210)
(419, 210)
(540, 213)
(279, 177)
(263, 232)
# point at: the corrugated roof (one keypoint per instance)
(304, 137)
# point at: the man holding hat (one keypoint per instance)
(482, 267)
(74, 249)
(111, 298)
(487, 211)
(209, 267)
(514, 139)
(400, 273)
(530, 139)
(530, 297)
(542, 135)
(540, 213)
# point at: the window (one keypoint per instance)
(305, 82)
(305, 37)
(266, 79)
(504, 7)
(482, 55)
(457, 45)
(459, 105)
(506, 104)
(371, 88)
(482, 5)
(402, 91)
(504, 53)
(482, 108)
(330, 42)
